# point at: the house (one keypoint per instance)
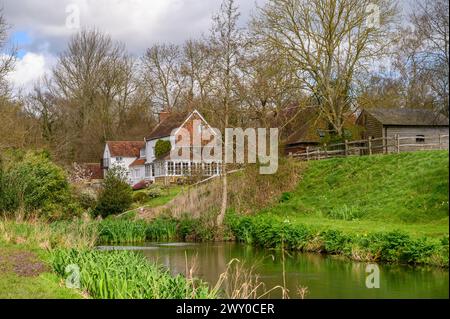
(127, 155)
(416, 126)
(141, 161)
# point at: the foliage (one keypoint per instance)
(269, 231)
(115, 196)
(139, 197)
(122, 231)
(154, 191)
(162, 229)
(36, 184)
(124, 274)
(162, 147)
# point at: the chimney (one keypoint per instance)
(163, 115)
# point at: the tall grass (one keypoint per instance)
(124, 274)
(122, 231)
(35, 232)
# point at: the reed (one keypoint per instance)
(125, 274)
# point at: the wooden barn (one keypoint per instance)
(414, 126)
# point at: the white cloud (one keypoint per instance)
(137, 23)
(29, 69)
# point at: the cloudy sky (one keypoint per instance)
(41, 29)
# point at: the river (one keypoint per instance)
(324, 276)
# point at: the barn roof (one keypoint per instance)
(407, 116)
(307, 130)
(165, 127)
(125, 148)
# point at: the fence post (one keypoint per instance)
(440, 141)
(346, 148)
(397, 138)
(326, 151)
(370, 145)
(307, 153)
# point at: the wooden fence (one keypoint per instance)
(382, 145)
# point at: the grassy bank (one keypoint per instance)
(391, 208)
(373, 193)
(269, 231)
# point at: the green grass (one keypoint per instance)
(45, 285)
(391, 208)
(167, 195)
(373, 193)
(125, 274)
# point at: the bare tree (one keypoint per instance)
(162, 75)
(430, 20)
(327, 42)
(227, 42)
(198, 65)
(7, 56)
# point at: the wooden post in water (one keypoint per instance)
(370, 145)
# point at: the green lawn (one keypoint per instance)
(407, 191)
(167, 195)
(24, 274)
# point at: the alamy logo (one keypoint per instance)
(373, 277)
(207, 145)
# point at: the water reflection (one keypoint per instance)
(325, 276)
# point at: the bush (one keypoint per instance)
(162, 147)
(140, 197)
(37, 184)
(115, 196)
(154, 192)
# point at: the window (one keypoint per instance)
(207, 169)
(142, 153)
(420, 138)
(148, 170)
(177, 168)
(185, 169)
(321, 133)
(170, 169)
(119, 159)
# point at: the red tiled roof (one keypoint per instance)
(165, 127)
(138, 162)
(125, 148)
(95, 170)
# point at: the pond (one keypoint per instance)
(324, 276)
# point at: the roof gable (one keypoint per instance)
(173, 122)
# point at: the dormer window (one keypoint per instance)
(119, 159)
(142, 153)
